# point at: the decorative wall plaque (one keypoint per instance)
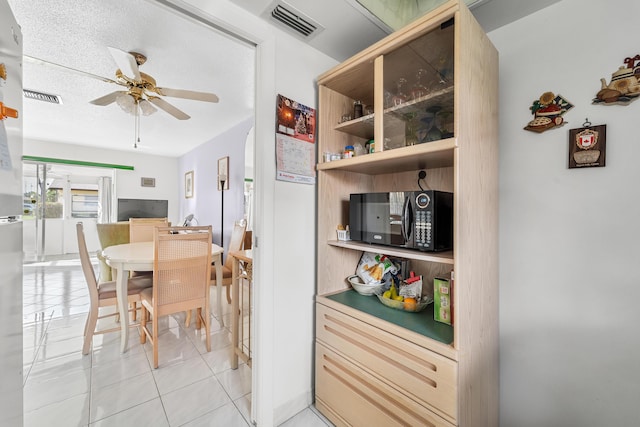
(547, 111)
(624, 86)
(587, 146)
(148, 182)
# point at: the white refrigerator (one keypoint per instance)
(11, 209)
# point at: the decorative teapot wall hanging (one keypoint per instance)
(624, 86)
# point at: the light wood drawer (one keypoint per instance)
(363, 400)
(421, 374)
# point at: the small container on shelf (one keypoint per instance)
(343, 233)
(349, 152)
(364, 288)
(357, 110)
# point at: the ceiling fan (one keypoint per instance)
(141, 94)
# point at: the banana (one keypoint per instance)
(393, 291)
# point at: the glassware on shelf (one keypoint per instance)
(419, 89)
(388, 97)
(400, 97)
(431, 132)
(411, 129)
(345, 118)
(357, 109)
(444, 124)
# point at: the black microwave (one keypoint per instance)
(409, 219)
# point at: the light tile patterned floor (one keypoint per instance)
(62, 387)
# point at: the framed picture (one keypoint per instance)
(587, 146)
(223, 173)
(188, 184)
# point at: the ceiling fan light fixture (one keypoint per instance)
(127, 103)
(146, 108)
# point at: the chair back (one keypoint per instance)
(87, 268)
(110, 234)
(113, 233)
(236, 243)
(248, 237)
(181, 268)
(141, 229)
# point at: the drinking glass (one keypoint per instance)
(419, 89)
(400, 96)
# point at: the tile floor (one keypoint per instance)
(62, 387)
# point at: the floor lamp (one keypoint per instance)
(223, 179)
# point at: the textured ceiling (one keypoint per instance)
(182, 54)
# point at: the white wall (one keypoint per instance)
(295, 243)
(284, 266)
(569, 239)
(207, 199)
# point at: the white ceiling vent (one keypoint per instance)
(41, 96)
(292, 19)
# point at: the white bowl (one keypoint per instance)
(362, 288)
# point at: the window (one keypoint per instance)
(84, 203)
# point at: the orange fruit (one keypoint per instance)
(410, 304)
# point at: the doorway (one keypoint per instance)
(55, 197)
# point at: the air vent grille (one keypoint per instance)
(41, 96)
(294, 20)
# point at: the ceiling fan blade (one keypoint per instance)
(107, 99)
(38, 61)
(164, 105)
(187, 94)
(126, 63)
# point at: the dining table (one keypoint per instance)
(138, 256)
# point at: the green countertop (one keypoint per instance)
(421, 322)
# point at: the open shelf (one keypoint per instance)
(436, 154)
(362, 127)
(445, 257)
(421, 323)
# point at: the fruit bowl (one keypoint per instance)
(400, 305)
(362, 288)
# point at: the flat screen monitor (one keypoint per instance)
(142, 208)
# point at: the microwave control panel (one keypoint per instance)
(423, 230)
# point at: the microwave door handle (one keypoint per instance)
(407, 218)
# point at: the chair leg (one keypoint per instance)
(198, 318)
(134, 316)
(155, 341)
(228, 294)
(143, 324)
(187, 320)
(207, 326)
(89, 329)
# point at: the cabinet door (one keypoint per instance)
(363, 400)
(417, 80)
(417, 372)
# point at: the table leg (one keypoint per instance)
(123, 307)
(218, 265)
(234, 313)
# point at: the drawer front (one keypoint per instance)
(420, 373)
(360, 399)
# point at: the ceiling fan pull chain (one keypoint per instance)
(137, 126)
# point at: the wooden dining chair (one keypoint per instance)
(181, 271)
(141, 229)
(235, 244)
(104, 293)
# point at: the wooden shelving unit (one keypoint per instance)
(370, 358)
